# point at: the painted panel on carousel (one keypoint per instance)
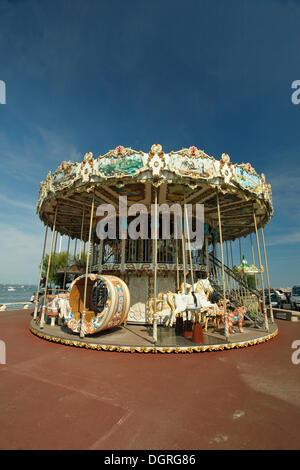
(193, 163)
(120, 161)
(247, 178)
(194, 168)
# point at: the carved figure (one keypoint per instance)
(235, 316)
(180, 302)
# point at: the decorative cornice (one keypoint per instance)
(189, 166)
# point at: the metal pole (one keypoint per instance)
(189, 243)
(100, 258)
(55, 242)
(226, 277)
(252, 249)
(242, 275)
(67, 262)
(207, 254)
(261, 273)
(236, 286)
(223, 272)
(123, 246)
(184, 261)
(177, 262)
(227, 257)
(87, 270)
(155, 270)
(41, 270)
(42, 322)
(81, 232)
(267, 272)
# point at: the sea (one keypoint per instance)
(21, 293)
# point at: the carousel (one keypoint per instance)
(153, 236)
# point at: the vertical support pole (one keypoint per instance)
(40, 276)
(267, 272)
(215, 253)
(236, 287)
(74, 256)
(206, 253)
(68, 249)
(228, 264)
(87, 270)
(81, 232)
(261, 273)
(235, 283)
(184, 261)
(55, 242)
(123, 243)
(226, 277)
(240, 250)
(242, 275)
(190, 252)
(155, 269)
(177, 266)
(189, 244)
(75, 246)
(100, 258)
(223, 272)
(53, 256)
(253, 257)
(177, 259)
(42, 322)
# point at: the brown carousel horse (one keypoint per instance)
(235, 316)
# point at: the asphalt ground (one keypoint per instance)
(59, 397)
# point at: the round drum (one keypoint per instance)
(107, 303)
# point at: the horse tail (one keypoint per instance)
(170, 300)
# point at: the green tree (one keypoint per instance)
(81, 261)
(250, 279)
(58, 260)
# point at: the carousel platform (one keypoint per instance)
(138, 338)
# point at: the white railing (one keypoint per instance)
(26, 305)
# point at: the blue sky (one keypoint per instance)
(88, 75)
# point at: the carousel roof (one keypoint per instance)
(187, 175)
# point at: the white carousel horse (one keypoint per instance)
(180, 302)
(63, 305)
(56, 307)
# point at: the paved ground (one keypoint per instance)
(56, 397)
